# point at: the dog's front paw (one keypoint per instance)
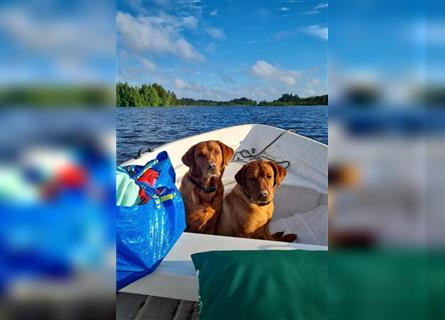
(291, 237)
(277, 235)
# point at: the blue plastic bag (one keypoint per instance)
(146, 233)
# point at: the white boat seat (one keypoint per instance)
(175, 277)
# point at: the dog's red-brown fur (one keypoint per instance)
(201, 187)
(248, 208)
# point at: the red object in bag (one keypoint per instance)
(150, 176)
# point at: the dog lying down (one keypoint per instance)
(246, 211)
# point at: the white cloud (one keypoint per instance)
(229, 87)
(199, 91)
(283, 34)
(284, 9)
(227, 91)
(317, 8)
(265, 70)
(321, 6)
(216, 33)
(180, 84)
(190, 22)
(214, 12)
(148, 65)
(316, 31)
(156, 35)
(313, 30)
(189, 6)
(187, 51)
(171, 22)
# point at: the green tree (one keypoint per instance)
(123, 95)
(135, 99)
(162, 93)
(149, 96)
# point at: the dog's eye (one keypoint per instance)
(269, 176)
(217, 151)
(201, 155)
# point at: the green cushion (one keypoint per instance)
(265, 284)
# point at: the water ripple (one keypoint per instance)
(151, 127)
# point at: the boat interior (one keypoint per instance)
(300, 202)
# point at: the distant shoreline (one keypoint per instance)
(224, 106)
(154, 95)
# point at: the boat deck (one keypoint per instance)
(176, 277)
(137, 307)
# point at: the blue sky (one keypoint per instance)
(224, 49)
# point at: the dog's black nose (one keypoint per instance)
(263, 194)
(212, 166)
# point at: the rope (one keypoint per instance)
(246, 156)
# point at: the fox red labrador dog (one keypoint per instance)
(248, 208)
(201, 187)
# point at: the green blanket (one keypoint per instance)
(266, 284)
(127, 191)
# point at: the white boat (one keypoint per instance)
(300, 202)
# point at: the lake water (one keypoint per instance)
(151, 127)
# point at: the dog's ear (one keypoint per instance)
(189, 158)
(227, 153)
(279, 173)
(240, 176)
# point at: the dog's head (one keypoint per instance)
(259, 178)
(208, 158)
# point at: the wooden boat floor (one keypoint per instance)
(137, 307)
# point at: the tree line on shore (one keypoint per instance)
(154, 95)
